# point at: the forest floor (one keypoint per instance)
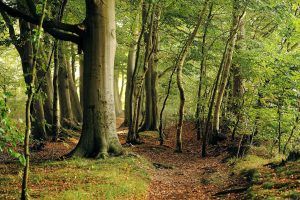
(166, 174)
(186, 175)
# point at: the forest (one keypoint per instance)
(149, 99)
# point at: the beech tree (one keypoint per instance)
(97, 39)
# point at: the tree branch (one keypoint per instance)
(58, 30)
(9, 25)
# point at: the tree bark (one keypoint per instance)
(129, 74)
(150, 122)
(75, 103)
(99, 135)
(56, 124)
(202, 73)
(132, 136)
(179, 64)
(67, 118)
(238, 82)
(81, 65)
(226, 69)
(118, 102)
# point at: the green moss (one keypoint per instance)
(268, 185)
(114, 178)
(278, 182)
(293, 195)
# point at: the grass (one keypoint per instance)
(282, 182)
(114, 178)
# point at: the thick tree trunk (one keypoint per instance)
(99, 136)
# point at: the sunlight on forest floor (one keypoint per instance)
(114, 178)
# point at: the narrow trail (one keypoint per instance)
(185, 175)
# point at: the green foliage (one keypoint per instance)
(9, 134)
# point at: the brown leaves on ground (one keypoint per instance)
(184, 175)
(174, 175)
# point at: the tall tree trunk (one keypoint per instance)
(132, 56)
(30, 94)
(132, 136)
(81, 65)
(226, 69)
(67, 118)
(73, 62)
(47, 90)
(118, 102)
(75, 103)
(36, 108)
(202, 73)
(279, 112)
(99, 136)
(238, 82)
(179, 64)
(56, 124)
(129, 74)
(150, 122)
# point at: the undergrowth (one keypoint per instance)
(269, 178)
(114, 178)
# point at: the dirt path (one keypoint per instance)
(186, 175)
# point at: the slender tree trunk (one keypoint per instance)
(212, 100)
(132, 136)
(56, 124)
(202, 74)
(238, 82)
(130, 69)
(73, 62)
(179, 64)
(37, 111)
(30, 93)
(279, 112)
(226, 69)
(118, 103)
(99, 136)
(47, 90)
(81, 65)
(67, 118)
(181, 108)
(129, 74)
(150, 123)
(75, 103)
